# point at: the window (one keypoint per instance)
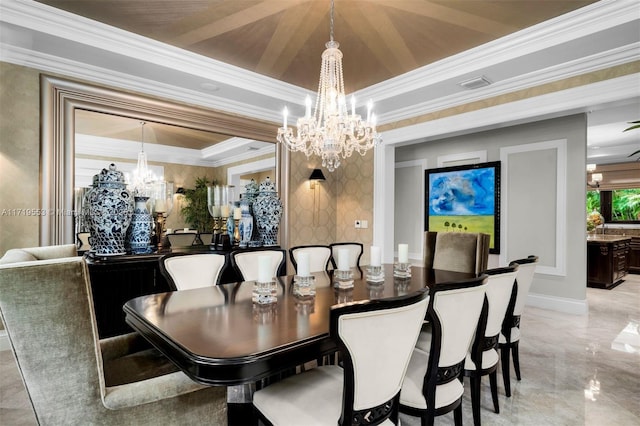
(618, 205)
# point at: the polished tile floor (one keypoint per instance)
(576, 370)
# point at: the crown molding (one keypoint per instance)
(579, 23)
(97, 146)
(555, 104)
(56, 22)
(224, 146)
(614, 57)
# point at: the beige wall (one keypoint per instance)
(19, 156)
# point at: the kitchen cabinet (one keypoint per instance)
(607, 260)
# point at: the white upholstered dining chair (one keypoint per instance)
(186, 271)
(319, 257)
(510, 336)
(433, 384)
(245, 262)
(375, 356)
(483, 357)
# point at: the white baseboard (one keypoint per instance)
(4, 341)
(560, 304)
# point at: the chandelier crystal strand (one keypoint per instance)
(143, 176)
(332, 132)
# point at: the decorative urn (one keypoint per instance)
(267, 210)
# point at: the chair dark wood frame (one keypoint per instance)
(293, 260)
(511, 321)
(389, 409)
(436, 375)
(482, 343)
(167, 275)
(333, 260)
(282, 267)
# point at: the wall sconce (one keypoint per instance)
(180, 191)
(316, 177)
(596, 178)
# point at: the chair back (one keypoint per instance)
(319, 257)
(527, 268)
(376, 339)
(454, 311)
(355, 253)
(457, 251)
(45, 307)
(82, 243)
(206, 238)
(182, 239)
(245, 262)
(499, 287)
(186, 271)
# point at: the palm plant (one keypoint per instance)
(196, 211)
(636, 125)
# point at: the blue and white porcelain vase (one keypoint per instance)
(110, 210)
(139, 235)
(246, 224)
(268, 210)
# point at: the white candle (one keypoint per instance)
(375, 256)
(264, 269)
(161, 205)
(224, 211)
(307, 102)
(343, 260)
(285, 112)
(237, 213)
(303, 264)
(403, 253)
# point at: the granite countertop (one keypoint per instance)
(599, 238)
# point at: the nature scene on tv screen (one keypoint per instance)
(463, 201)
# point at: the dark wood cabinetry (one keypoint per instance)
(607, 260)
(634, 255)
(116, 280)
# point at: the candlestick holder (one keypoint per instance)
(375, 274)
(264, 293)
(236, 231)
(304, 285)
(343, 278)
(159, 229)
(402, 270)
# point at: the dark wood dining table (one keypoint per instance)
(218, 336)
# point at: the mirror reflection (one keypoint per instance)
(180, 156)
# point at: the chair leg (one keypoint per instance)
(475, 399)
(457, 415)
(493, 381)
(516, 359)
(504, 360)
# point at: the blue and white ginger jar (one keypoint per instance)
(267, 210)
(110, 211)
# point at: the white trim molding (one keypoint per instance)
(560, 145)
(462, 158)
(559, 304)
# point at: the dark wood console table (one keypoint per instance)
(117, 279)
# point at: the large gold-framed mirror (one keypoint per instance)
(61, 98)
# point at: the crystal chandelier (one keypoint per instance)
(142, 177)
(331, 132)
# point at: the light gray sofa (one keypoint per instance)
(71, 377)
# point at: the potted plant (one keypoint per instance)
(195, 210)
(636, 125)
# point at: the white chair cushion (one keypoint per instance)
(424, 341)
(310, 398)
(489, 359)
(515, 336)
(411, 394)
